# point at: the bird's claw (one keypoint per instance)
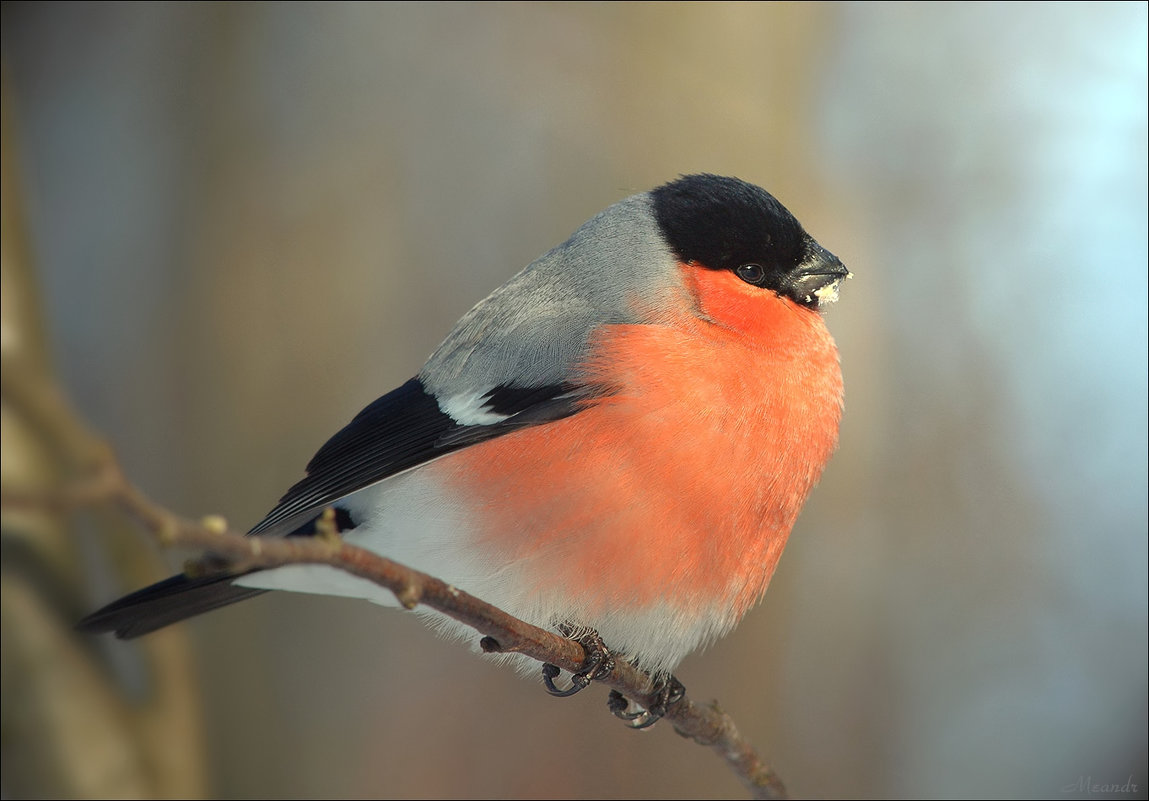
(598, 664)
(668, 691)
(551, 672)
(616, 702)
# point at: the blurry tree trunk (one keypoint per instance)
(69, 727)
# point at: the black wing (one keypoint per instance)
(401, 430)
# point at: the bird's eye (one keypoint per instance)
(751, 273)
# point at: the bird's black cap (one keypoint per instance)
(725, 223)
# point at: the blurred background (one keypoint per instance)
(251, 220)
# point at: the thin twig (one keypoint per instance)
(100, 479)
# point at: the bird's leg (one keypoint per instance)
(668, 691)
(598, 664)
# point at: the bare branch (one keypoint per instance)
(100, 480)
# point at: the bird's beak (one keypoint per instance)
(816, 280)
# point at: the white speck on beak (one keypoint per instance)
(829, 293)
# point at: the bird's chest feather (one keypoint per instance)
(681, 485)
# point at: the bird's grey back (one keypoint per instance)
(533, 329)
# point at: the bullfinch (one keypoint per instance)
(618, 439)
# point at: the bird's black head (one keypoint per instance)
(727, 224)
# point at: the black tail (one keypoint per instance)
(164, 603)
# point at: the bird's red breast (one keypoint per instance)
(679, 487)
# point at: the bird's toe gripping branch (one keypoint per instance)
(668, 691)
(598, 664)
